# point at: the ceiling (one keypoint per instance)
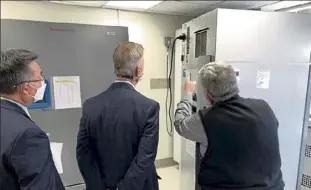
(187, 8)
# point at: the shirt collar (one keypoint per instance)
(125, 81)
(19, 104)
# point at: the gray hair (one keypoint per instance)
(219, 81)
(126, 58)
(14, 69)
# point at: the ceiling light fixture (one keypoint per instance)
(282, 5)
(133, 4)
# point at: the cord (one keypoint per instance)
(169, 92)
(168, 129)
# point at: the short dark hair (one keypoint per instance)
(14, 69)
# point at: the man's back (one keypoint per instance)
(25, 160)
(243, 146)
(115, 122)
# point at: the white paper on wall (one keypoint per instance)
(263, 79)
(56, 149)
(67, 93)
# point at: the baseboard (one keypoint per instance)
(165, 162)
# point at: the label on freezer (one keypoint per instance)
(263, 79)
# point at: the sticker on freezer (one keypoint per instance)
(263, 79)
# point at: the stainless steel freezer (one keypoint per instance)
(257, 42)
(306, 176)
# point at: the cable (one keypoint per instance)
(169, 92)
(168, 129)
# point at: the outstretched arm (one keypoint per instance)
(187, 124)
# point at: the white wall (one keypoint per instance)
(145, 28)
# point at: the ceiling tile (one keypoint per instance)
(243, 4)
(283, 5)
(180, 7)
(133, 4)
(203, 2)
(83, 3)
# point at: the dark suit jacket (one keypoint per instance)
(118, 140)
(26, 161)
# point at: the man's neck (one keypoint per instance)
(12, 97)
(125, 79)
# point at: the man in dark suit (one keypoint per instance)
(26, 161)
(119, 130)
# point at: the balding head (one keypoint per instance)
(128, 60)
(219, 81)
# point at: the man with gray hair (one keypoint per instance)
(119, 130)
(26, 160)
(238, 136)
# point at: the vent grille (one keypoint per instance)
(306, 181)
(188, 40)
(200, 43)
(308, 151)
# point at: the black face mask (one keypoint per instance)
(138, 79)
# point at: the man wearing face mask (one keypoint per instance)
(119, 130)
(26, 160)
(238, 136)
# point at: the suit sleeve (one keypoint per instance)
(86, 159)
(143, 164)
(33, 163)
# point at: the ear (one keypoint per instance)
(137, 71)
(23, 88)
(208, 98)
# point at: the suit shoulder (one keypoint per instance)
(19, 119)
(148, 100)
(93, 100)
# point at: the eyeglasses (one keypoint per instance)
(28, 81)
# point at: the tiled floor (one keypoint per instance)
(170, 178)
